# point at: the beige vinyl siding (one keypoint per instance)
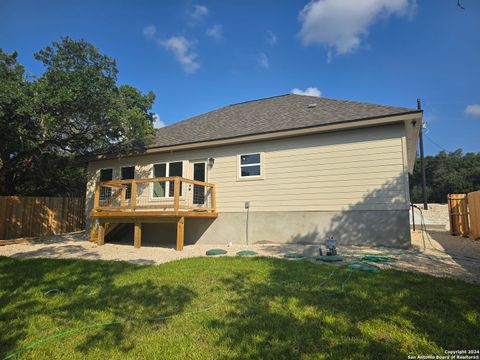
(362, 169)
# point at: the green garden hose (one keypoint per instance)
(378, 258)
(153, 318)
(363, 267)
(106, 324)
(421, 254)
(329, 258)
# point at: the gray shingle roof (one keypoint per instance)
(284, 112)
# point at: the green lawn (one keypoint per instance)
(210, 308)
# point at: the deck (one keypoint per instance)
(155, 200)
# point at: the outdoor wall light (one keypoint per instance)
(211, 161)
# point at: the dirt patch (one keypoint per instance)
(436, 253)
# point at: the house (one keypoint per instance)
(284, 169)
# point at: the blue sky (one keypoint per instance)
(200, 55)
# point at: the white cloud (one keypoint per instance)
(149, 31)
(179, 46)
(271, 38)
(215, 32)
(329, 56)
(199, 12)
(157, 122)
(182, 49)
(343, 24)
(310, 91)
(472, 110)
(263, 61)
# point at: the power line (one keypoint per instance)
(434, 143)
(440, 101)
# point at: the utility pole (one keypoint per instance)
(422, 161)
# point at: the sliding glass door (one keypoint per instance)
(199, 174)
(166, 188)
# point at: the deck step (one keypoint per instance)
(93, 234)
(118, 230)
(109, 228)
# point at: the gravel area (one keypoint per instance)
(440, 254)
(436, 216)
(436, 253)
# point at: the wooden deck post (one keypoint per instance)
(96, 199)
(214, 198)
(101, 233)
(137, 237)
(123, 198)
(133, 195)
(180, 233)
(176, 194)
(93, 231)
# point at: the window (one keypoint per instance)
(250, 166)
(175, 169)
(159, 170)
(127, 173)
(105, 175)
(161, 189)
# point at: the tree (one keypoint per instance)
(132, 110)
(74, 108)
(79, 104)
(446, 173)
(18, 129)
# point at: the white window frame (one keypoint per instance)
(192, 175)
(198, 161)
(167, 185)
(253, 177)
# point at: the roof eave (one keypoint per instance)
(271, 135)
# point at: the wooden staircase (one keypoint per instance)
(111, 229)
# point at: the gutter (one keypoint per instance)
(315, 129)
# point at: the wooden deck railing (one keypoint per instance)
(156, 194)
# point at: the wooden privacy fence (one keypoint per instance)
(473, 203)
(464, 214)
(38, 216)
